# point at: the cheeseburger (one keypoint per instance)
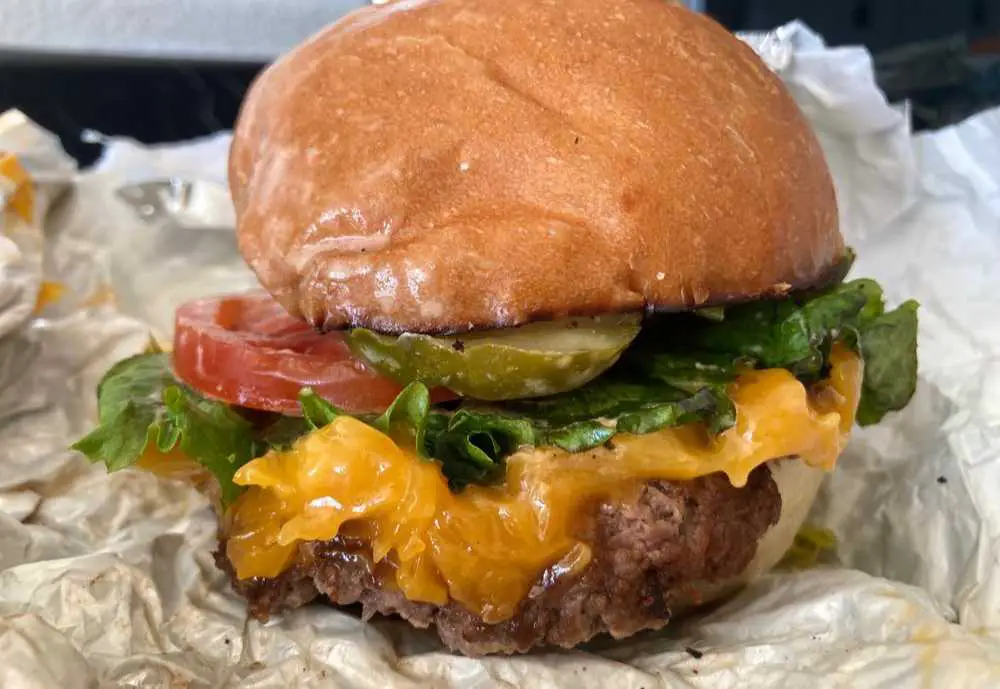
(555, 338)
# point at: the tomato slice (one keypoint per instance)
(246, 350)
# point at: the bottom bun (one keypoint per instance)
(797, 483)
(679, 545)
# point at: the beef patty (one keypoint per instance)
(649, 558)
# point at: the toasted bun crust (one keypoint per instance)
(443, 165)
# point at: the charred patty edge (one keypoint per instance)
(651, 557)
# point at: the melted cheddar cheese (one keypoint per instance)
(488, 545)
(174, 464)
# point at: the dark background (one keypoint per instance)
(942, 55)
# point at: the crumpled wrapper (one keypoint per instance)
(108, 580)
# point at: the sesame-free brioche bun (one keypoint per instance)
(443, 165)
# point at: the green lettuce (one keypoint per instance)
(471, 443)
(888, 344)
(675, 373)
(797, 334)
(142, 405)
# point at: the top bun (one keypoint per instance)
(433, 166)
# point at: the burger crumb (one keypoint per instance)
(694, 653)
(458, 346)
(942, 479)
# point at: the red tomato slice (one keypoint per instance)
(246, 350)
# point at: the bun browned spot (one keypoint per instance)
(456, 164)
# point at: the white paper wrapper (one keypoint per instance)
(108, 581)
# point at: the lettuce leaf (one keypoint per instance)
(692, 352)
(472, 444)
(130, 411)
(888, 345)
(789, 333)
(316, 411)
(591, 415)
(675, 373)
(141, 406)
(405, 420)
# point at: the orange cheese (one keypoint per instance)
(48, 293)
(174, 464)
(21, 199)
(486, 546)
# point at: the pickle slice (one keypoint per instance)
(528, 361)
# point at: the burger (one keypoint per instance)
(555, 337)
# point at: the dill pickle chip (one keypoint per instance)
(528, 361)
